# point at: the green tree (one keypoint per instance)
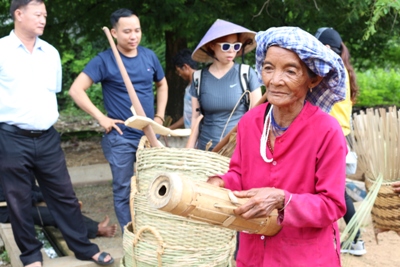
(75, 28)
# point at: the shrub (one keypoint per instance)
(378, 87)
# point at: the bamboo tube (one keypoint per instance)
(200, 201)
(138, 110)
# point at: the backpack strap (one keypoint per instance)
(197, 81)
(244, 71)
(197, 75)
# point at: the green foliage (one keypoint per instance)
(74, 59)
(382, 8)
(4, 257)
(75, 29)
(388, 58)
(378, 87)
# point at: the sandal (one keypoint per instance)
(100, 259)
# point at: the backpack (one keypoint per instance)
(244, 71)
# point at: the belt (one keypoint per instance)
(17, 130)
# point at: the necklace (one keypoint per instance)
(276, 129)
(276, 125)
(270, 146)
(264, 137)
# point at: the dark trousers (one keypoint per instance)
(350, 212)
(19, 157)
(42, 216)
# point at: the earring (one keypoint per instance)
(310, 89)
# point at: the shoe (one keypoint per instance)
(100, 260)
(356, 248)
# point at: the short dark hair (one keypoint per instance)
(184, 56)
(15, 4)
(120, 13)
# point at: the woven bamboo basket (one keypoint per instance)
(386, 209)
(163, 239)
(377, 144)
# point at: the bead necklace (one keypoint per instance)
(276, 129)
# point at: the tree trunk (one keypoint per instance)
(176, 85)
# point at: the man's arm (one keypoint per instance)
(78, 94)
(162, 98)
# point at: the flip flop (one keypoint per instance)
(102, 256)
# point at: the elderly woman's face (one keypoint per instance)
(285, 77)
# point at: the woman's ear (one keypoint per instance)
(315, 81)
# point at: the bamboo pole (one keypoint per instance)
(377, 143)
(137, 107)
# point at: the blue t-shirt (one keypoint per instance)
(143, 70)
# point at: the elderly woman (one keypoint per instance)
(290, 154)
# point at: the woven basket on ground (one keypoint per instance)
(377, 144)
(386, 209)
(163, 239)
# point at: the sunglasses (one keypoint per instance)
(225, 47)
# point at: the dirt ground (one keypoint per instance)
(97, 202)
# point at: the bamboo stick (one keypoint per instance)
(377, 142)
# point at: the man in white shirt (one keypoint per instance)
(30, 77)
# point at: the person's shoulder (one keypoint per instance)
(106, 53)
(321, 118)
(5, 39)
(146, 51)
(237, 66)
(8, 39)
(46, 46)
(103, 57)
(254, 117)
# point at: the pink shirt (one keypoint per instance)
(309, 163)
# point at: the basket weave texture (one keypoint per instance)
(385, 212)
(163, 239)
(377, 144)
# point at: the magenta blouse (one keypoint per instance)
(309, 164)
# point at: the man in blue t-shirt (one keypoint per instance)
(120, 142)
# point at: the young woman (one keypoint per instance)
(219, 95)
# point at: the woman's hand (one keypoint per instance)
(262, 201)
(215, 180)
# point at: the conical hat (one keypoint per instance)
(219, 29)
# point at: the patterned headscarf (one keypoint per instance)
(320, 59)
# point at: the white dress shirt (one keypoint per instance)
(29, 83)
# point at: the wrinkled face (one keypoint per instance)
(228, 56)
(183, 72)
(32, 18)
(285, 77)
(128, 33)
